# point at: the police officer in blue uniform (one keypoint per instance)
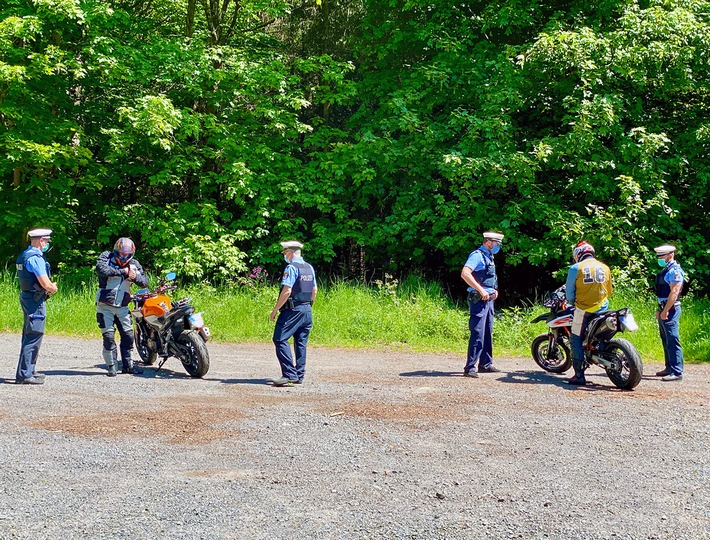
(36, 286)
(669, 284)
(479, 273)
(295, 317)
(117, 270)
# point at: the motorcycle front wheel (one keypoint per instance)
(555, 359)
(148, 356)
(627, 368)
(192, 352)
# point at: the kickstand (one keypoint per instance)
(160, 365)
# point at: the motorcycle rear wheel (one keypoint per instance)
(556, 359)
(148, 357)
(628, 368)
(193, 354)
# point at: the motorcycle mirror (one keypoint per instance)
(170, 276)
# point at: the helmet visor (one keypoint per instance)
(123, 257)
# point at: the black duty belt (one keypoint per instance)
(290, 304)
(475, 296)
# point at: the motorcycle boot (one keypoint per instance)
(110, 359)
(579, 367)
(129, 368)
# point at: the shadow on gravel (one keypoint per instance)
(53, 372)
(243, 381)
(49, 372)
(427, 373)
(153, 373)
(535, 377)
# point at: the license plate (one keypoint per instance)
(196, 320)
(629, 322)
(205, 333)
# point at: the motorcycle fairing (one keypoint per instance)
(562, 318)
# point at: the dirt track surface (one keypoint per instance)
(374, 445)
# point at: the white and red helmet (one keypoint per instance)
(582, 249)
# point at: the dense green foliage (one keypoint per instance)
(412, 315)
(388, 134)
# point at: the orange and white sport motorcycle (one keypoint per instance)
(164, 328)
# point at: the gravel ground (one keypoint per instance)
(376, 444)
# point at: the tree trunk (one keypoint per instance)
(190, 19)
(356, 262)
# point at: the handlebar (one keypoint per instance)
(556, 299)
(142, 296)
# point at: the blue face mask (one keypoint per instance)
(45, 248)
(496, 249)
(662, 263)
(286, 259)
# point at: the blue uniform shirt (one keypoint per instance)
(476, 263)
(291, 274)
(36, 265)
(673, 275)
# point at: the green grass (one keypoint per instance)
(415, 315)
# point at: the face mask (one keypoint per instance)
(496, 249)
(286, 259)
(662, 263)
(45, 248)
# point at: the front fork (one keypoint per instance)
(557, 336)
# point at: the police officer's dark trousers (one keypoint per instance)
(480, 344)
(296, 322)
(35, 314)
(670, 337)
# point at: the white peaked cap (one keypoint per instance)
(493, 236)
(39, 233)
(665, 249)
(292, 244)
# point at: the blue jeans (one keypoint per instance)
(670, 337)
(296, 322)
(480, 344)
(35, 313)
